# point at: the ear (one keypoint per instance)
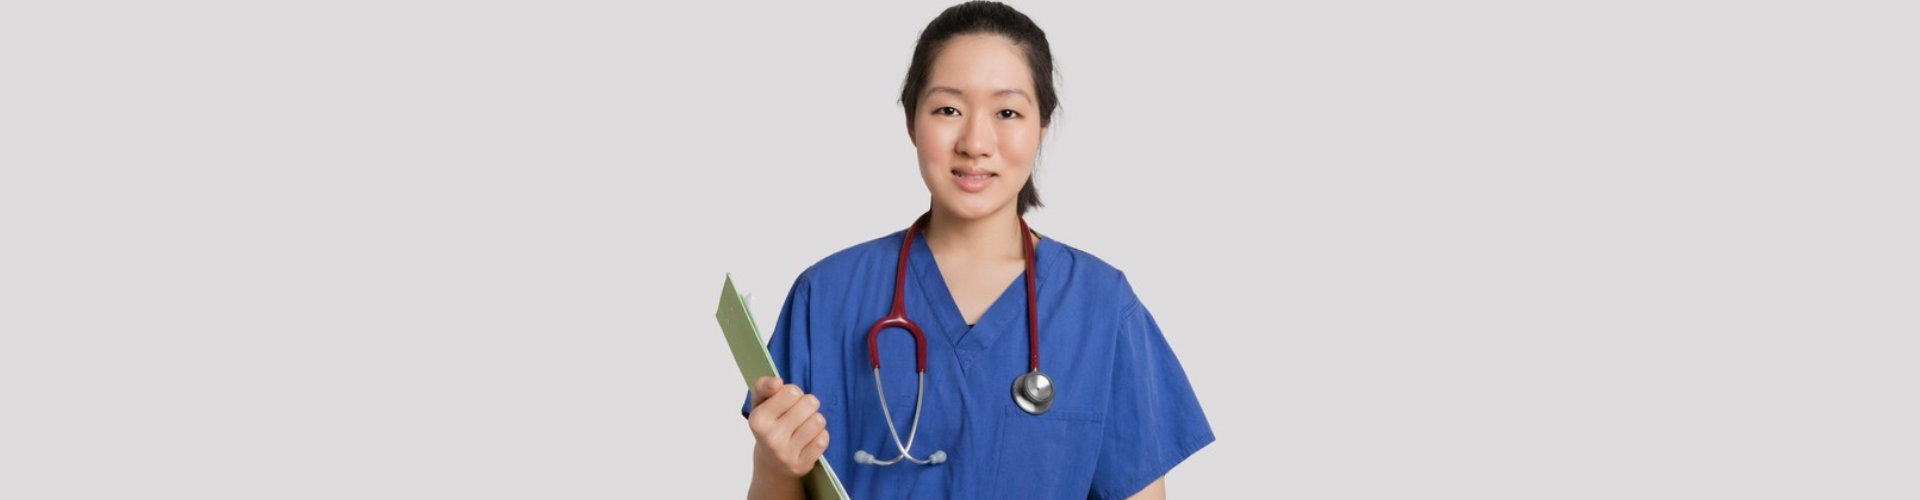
(910, 139)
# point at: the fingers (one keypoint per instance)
(763, 388)
(766, 415)
(806, 431)
(805, 408)
(816, 447)
(787, 425)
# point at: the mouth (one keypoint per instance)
(973, 173)
(973, 180)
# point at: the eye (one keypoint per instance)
(1008, 114)
(946, 111)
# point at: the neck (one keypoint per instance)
(996, 235)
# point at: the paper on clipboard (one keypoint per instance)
(750, 352)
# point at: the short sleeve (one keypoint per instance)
(1154, 421)
(789, 343)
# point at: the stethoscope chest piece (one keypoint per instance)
(1033, 392)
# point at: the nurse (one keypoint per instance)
(1081, 398)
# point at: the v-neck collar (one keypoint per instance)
(1004, 315)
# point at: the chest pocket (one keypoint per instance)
(1050, 455)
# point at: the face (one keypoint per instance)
(977, 127)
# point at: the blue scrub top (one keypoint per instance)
(1123, 412)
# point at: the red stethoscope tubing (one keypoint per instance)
(897, 316)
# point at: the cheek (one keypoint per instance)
(1020, 146)
(933, 145)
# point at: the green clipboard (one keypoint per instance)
(750, 352)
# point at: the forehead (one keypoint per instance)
(981, 64)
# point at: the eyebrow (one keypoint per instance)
(997, 93)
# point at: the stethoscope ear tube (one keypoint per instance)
(920, 395)
(897, 312)
(919, 341)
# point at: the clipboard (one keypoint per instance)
(750, 352)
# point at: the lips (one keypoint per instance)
(973, 180)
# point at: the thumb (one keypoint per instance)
(763, 388)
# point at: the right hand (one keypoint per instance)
(788, 431)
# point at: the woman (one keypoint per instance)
(1082, 400)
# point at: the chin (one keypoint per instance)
(975, 209)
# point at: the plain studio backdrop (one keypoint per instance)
(410, 249)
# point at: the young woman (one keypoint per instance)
(1010, 365)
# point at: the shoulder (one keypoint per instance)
(856, 260)
(1087, 276)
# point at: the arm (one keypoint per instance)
(767, 487)
(789, 435)
(1155, 491)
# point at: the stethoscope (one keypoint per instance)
(1032, 391)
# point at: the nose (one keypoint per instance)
(977, 140)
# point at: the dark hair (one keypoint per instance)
(993, 18)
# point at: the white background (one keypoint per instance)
(410, 249)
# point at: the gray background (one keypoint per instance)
(411, 249)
